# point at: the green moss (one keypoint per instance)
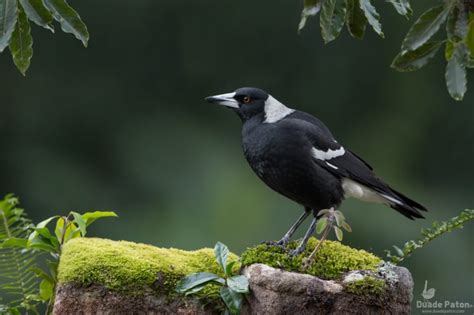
(330, 262)
(133, 268)
(366, 286)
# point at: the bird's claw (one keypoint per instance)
(281, 243)
(296, 251)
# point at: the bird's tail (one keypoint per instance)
(403, 204)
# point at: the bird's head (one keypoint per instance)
(247, 102)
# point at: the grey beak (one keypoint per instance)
(224, 99)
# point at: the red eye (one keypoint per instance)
(246, 100)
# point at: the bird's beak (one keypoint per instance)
(224, 99)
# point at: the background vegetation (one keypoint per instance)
(121, 125)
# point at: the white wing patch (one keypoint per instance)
(364, 193)
(275, 111)
(327, 155)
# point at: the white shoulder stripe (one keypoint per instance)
(327, 155)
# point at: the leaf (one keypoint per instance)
(456, 26)
(311, 8)
(80, 221)
(21, 43)
(69, 19)
(196, 289)
(43, 223)
(228, 268)
(448, 51)
(425, 27)
(416, 59)
(339, 233)
(14, 242)
(355, 19)
(232, 300)
(456, 80)
(196, 279)
(41, 274)
(470, 36)
(321, 225)
(38, 13)
(398, 250)
(333, 15)
(90, 217)
(239, 284)
(346, 227)
(221, 252)
(8, 17)
(372, 16)
(46, 290)
(402, 6)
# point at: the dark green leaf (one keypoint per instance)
(196, 289)
(456, 80)
(239, 284)
(197, 279)
(456, 26)
(38, 13)
(221, 252)
(333, 16)
(372, 16)
(90, 217)
(21, 43)
(46, 290)
(228, 268)
(398, 250)
(41, 274)
(402, 6)
(311, 8)
(448, 51)
(321, 225)
(339, 233)
(355, 19)
(232, 300)
(414, 60)
(69, 19)
(425, 27)
(80, 221)
(8, 17)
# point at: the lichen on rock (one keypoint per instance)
(330, 262)
(132, 268)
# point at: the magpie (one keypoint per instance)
(296, 155)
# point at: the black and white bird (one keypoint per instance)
(296, 155)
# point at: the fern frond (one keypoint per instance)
(16, 277)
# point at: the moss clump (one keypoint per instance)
(132, 268)
(330, 262)
(366, 286)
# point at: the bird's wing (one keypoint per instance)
(333, 157)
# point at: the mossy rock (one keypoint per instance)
(330, 262)
(131, 268)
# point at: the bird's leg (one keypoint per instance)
(306, 237)
(286, 238)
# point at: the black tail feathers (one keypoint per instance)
(405, 205)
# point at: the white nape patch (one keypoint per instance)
(364, 193)
(327, 155)
(333, 166)
(275, 111)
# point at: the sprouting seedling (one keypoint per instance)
(330, 219)
(233, 287)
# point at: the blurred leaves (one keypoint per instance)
(418, 48)
(15, 31)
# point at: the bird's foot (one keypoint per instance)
(281, 243)
(297, 251)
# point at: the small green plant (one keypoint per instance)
(233, 287)
(430, 234)
(21, 242)
(325, 225)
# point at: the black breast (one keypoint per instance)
(281, 157)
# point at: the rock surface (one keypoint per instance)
(273, 291)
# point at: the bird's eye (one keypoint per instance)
(246, 100)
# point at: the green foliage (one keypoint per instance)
(366, 286)
(331, 261)
(15, 31)
(232, 287)
(430, 234)
(21, 242)
(418, 47)
(17, 281)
